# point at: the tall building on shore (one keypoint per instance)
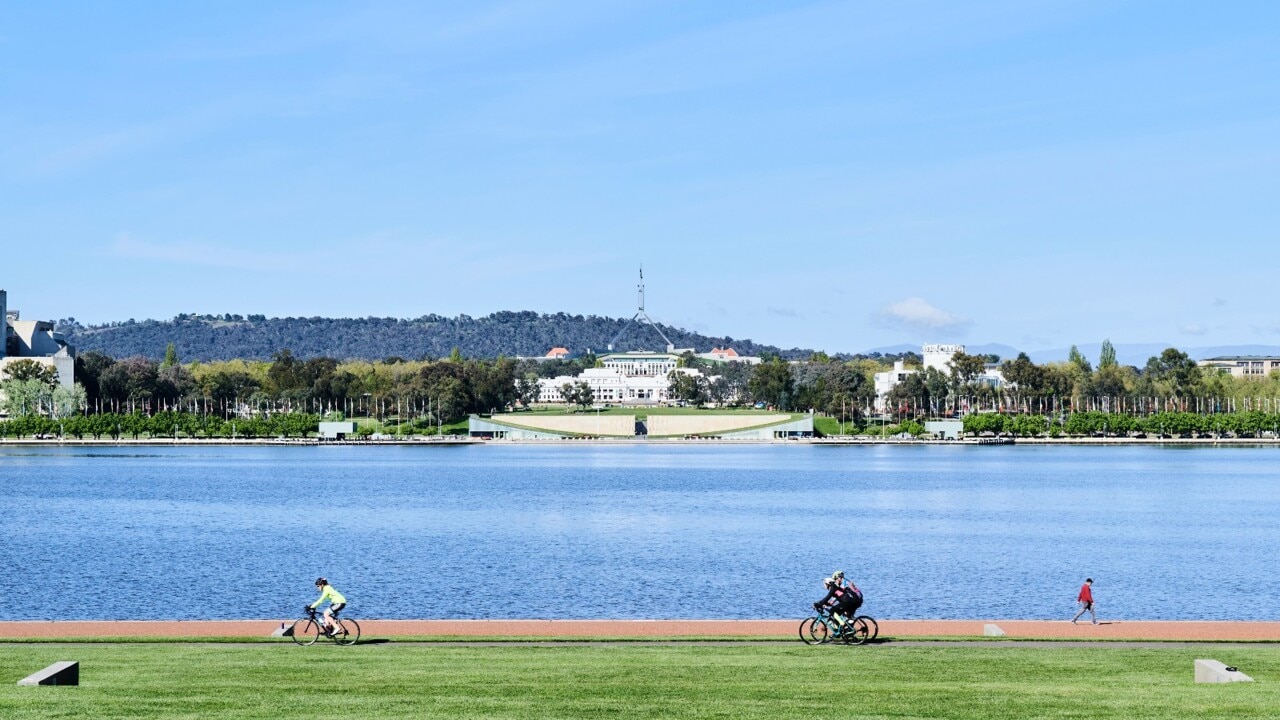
(35, 340)
(936, 357)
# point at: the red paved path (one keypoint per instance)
(1117, 630)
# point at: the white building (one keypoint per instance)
(641, 364)
(886, 381)
(631, 378)
(35, 340)
(937, 357)
(1243, 366)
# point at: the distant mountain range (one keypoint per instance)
(255, 337)
(1135, 354)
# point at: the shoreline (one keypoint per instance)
(573, 442)
(1160, 630)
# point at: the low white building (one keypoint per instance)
(1243, 366)
(641, 364)
(886, 381)
(632, 378)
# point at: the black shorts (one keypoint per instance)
(335, 609)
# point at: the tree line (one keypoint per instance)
(1169, 382)
(230, 336)
(445, 391)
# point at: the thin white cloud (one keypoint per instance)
(917, 314)
(192, 253)
(1193, 329)
(787, 312)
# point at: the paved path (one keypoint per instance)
(661, 629)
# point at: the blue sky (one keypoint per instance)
(841, 175)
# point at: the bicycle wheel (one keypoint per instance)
(820, 631)
(807, 632)
(857, 632)
(804, 629)
(875, 626)
(348, 632)
(305, 631)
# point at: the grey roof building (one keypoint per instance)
(35, 340)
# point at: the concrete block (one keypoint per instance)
(285, 630)
(66, 672)
(992, 630)
(1212, 671)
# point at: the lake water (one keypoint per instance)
(638, 531)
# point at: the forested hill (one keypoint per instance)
(225, 337)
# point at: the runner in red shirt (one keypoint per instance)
(1085, 598)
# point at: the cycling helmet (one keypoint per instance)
(322, 581)
(837, 575)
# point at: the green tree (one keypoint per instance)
(528, 389)
(27, 369)
(25, 398)
(284, 374)
(772, 384)
(911, 396)
(569, 393)
(687, 387)
(577, 394)
(1026, 379)
(1076, 358)
(938, 386)
(170, 357)
(66, 402)
(1110, 381)
(88, 369)
(966, 368)
(1108, 356)
(1173, 372)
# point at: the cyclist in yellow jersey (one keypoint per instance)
(336, 602)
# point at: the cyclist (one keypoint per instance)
(844, 600)
(336, 603)
(852, 596)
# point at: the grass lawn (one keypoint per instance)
(389, 428)
(644, 411)
(280, 681)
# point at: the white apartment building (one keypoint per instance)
(939, 357)
(936, 356)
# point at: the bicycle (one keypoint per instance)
(823, 628)
(307, 630)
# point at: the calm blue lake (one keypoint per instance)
(638, 531)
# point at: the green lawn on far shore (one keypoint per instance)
(644, 411)
(391, 680)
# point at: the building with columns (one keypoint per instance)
(626, 378)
